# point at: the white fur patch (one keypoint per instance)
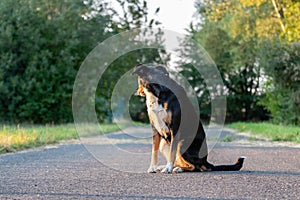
(168, 169)
(156, 113)
(152, 169)
(177, 170)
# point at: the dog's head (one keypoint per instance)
(147, 71)
(149, 76)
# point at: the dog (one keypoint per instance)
(177, 131)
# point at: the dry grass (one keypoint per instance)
(18, 137)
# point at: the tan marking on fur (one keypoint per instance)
(168, 119)
(169, 114)
(164, 148)
(181, 162)
(140, 91)
(166, 105)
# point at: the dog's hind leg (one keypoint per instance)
(180, 163)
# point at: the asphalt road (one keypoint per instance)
(115, 167)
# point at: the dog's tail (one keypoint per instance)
(235, 167)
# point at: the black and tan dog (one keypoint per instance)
(176, 127)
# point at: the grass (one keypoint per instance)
(269, 131)
(228, 138)
(19, 137)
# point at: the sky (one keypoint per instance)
(174, 15)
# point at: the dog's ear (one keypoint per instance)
(140, 70)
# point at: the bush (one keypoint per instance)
(282, 65)
(41, 48)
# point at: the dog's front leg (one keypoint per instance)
(171, 156)
(155, 147)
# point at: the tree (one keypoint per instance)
(229, 33)
(235, 33)
(42, 45)
(133, 16)
(282, 96)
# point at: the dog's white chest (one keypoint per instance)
(157, 114)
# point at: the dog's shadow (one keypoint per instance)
(249, 172)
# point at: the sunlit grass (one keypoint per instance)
(13, 138)
(18, 137)
(270, 131)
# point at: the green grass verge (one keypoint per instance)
(268, 130)
(19, 137)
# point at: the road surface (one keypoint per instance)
(93, 170)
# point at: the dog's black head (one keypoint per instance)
(152, 78)
(148, 71)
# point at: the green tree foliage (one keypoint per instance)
(134, 16)
(227, 32)
(269, 18)
(197, 81)
(234, 32)
(113, 74)
(282, 97)
(42, 45)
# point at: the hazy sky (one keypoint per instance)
(175, 15)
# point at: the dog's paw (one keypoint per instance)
(152, 169)
(160, 168)
(177, 170)
(168, 169)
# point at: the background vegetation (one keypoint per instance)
(42, 45)
(268, 131)
(254, 43)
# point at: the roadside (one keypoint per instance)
(247, 139)
(18, 138)
(267, 131)
(215, 136)
(15, 138)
